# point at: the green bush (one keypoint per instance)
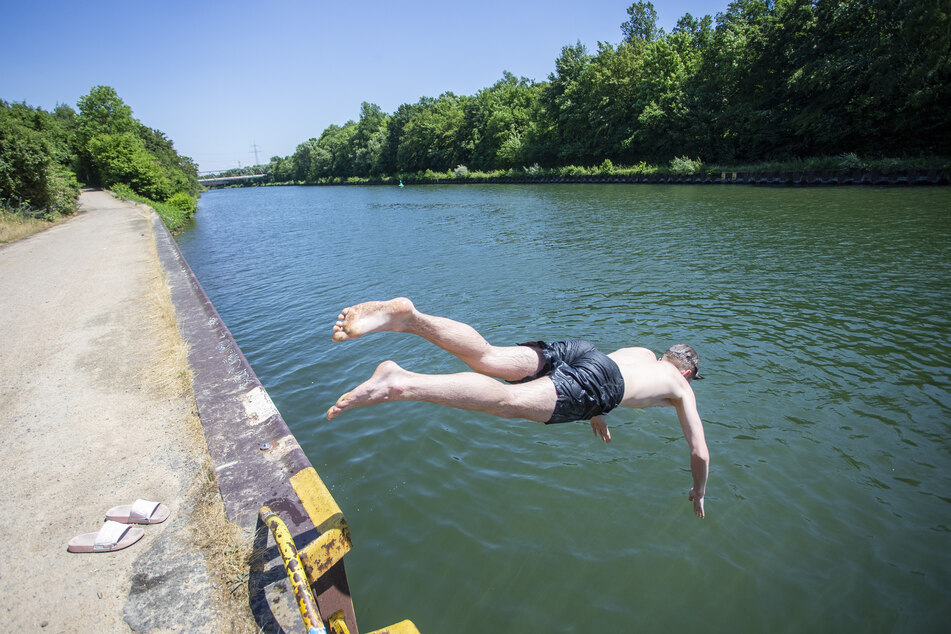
(184, 202)
(30, 177)
(63, 190)
(573, 170)
(25, 160)
(123, 191)
(850, 161)
(683, 166)
(172, 216)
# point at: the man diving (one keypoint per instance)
(546, 382)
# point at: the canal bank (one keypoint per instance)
(121, 382)
(257, 461)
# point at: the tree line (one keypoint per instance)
(763, 81)
(45, 155)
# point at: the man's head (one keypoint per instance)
(684, 359)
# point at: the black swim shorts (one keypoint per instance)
(587, 381)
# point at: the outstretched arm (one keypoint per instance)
(686, 407)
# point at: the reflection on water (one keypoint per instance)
(822, 320)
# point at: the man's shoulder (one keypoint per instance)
(634, 355)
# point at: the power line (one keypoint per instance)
(256, 161)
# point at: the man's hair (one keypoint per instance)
(684, 358)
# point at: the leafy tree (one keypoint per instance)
(123, 158)
(432, 137)
(667, 122)
(301, 160)
(180, 170)
(102, 111)
(568, 102)
(642, 23)
(41, 153)
(114, 147)
(368, 141)
(701, 30)
(615, 74)
(337, 156)
(870, 76)
(25, 161)
(280, 169)
(396, 124)
(738, 89)
(31, 148)
(498, 122)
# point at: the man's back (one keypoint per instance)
(648, 381)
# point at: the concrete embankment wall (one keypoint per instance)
(254, 453)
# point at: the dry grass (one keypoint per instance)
(13, 227)
(228, 553)
(169, 371)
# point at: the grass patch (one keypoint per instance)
(14, 226)
(22, 219)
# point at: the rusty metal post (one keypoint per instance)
(306, 603)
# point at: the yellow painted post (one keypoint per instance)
(334, 541)
(296, 574)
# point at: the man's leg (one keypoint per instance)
(511, 363)
(534, 400)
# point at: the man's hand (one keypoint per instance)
(600, 428)
(697, 503)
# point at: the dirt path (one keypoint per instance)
(90, 422)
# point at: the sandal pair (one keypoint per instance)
(116, 533)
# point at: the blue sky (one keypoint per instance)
(219, 78)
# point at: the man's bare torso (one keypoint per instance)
(648, 381)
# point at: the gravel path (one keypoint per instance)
(84, 430)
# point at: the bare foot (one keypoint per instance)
(379, 388)
(358, 320)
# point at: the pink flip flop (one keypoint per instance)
(111, 537)
(141, 512)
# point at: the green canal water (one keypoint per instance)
(822, 317)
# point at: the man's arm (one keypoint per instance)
(686, 406)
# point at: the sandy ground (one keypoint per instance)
(87, 427)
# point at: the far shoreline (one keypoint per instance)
(775, 178)
(842, 169)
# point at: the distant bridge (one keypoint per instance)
(228, 180)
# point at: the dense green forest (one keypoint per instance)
(764, 81)
(45, 155)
